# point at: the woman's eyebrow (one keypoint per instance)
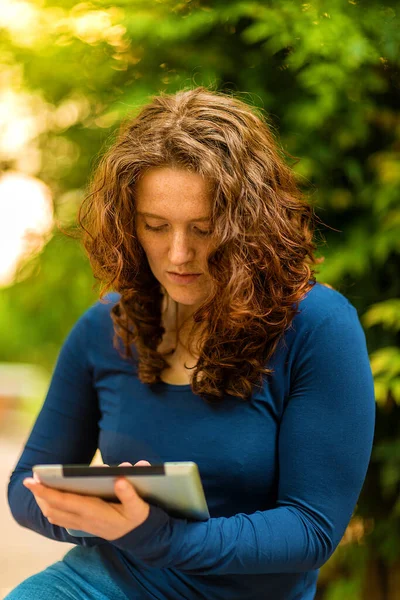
(147, 214)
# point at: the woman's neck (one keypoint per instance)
(177, 321)
(176, 313)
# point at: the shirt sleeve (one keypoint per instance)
(65, 432)
(325, 443)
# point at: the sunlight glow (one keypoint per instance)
(26, 219)
(20, 19)
(30, 25)
(18, 123)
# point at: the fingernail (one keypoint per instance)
(29, 481)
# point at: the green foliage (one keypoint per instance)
(344, 588)
(38, 311)
(328, 76)
(341, 578)
(385, 313)
(389, 456)
(385, 364)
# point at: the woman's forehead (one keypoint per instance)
(170, 192)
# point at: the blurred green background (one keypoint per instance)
(328, 76)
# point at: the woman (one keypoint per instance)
(217, 345)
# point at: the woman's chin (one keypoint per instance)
(185, 297)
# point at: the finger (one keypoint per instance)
(142, 463)
(77, 504)
(40, 490)
(125, 464)
(33, 485)
(29, 480)
(62, 519)
(45, 497)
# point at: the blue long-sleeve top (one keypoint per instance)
(282, 472)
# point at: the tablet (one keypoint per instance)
(174, 486)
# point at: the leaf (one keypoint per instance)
(385, 313)
(386, 361)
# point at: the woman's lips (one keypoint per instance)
(183, 279)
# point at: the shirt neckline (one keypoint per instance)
(174, 386)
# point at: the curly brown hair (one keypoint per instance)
(263, 251)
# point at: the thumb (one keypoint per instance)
(133, 504)
(125, 490)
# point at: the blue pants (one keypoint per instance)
(80, 575)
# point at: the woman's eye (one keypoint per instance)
(150, 228)
(202, 232)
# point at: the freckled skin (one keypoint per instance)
(181, 242)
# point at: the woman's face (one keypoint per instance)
(173, 227)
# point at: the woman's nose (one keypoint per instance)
(181, 250)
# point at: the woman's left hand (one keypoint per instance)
(108, 520)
